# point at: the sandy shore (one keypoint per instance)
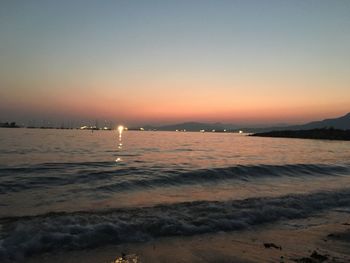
(325, 238)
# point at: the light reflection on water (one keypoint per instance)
(120, 144)
(68, 170)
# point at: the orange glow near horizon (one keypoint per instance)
(174, 99)
(206, 106)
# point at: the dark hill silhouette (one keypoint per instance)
(342, 123)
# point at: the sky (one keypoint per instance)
(160, 62)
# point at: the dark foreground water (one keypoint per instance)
(71, 189)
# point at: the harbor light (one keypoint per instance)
(120, 128)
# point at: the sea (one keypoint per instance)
(76, 189)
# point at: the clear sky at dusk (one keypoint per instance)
(169, 61)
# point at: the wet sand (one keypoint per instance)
(325, 238)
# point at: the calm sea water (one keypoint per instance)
(72, 189)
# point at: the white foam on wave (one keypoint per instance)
(25, 236)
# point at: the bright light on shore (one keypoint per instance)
(120, 128)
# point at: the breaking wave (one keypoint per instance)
(25, 236)
(109, 177)
(240, 172)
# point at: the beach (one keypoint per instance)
(317, 239)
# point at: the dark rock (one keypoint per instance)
(323, 134)
(272, 245)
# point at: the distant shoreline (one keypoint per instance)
(318, 134)
(130, 129)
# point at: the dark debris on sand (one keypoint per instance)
(342, 236)
(272, 245)
(315, 257)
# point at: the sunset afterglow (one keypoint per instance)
(174, 131)
(163, 62)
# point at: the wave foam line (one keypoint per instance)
(111, 178)
(25, 236)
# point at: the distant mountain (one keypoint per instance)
(342, 123)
